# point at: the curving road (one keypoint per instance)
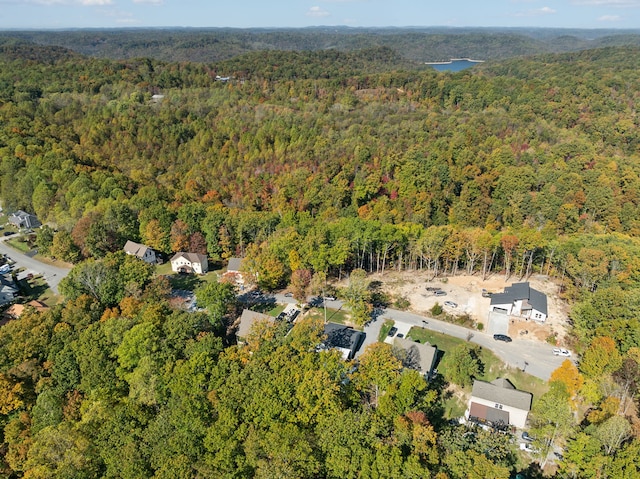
(51, 274)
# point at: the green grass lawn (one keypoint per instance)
(333, 316)
(19, 243)
(384, 329)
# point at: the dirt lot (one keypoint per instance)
(466, 291)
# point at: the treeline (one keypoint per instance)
(413, 44)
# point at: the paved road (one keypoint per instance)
(52, 274)
(534, 357)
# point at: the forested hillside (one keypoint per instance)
(418, 44)
(320, 162)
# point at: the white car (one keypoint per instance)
(561, 352)
(450, 304)
(525, 446)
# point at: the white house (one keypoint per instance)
(498, 404)
(189, 263)
(141, 251)
(522, 300)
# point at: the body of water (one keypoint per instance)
(454, 65)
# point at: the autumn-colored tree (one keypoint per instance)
(179, 236)
(509, 243)
(300, 281)
(601, 357)
(568, 375)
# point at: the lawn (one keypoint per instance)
(384, 330)
(20, 243)
(333, 315)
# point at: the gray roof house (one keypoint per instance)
(419, 356)
(22, 219)
(189, 263)
(141, 251)
(520, 299)
(498, 404)
(247, 320)
(343, 338)
(8, 289)
(234, 265)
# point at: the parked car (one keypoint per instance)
(525, 446)
(399, 335)
(561, 352)
(451, 304)
(502, 337)
(526, 436)
(440, 293)
(329, 298)
(288, 294)
(433, 288)
(392, 332)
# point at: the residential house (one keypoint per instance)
(141, 251)
(190, 263)
(520, 299)
(16, 310)
(248, 320)
(233, 272)
(8, 289)
(419, 356)
(22, 219)
(498, 404)
(343, 338)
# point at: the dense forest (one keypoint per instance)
(418, 44)
(322, 161)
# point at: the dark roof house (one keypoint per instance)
(22, 219)
(520, 299)
(343, 338)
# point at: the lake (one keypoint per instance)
(454, 65)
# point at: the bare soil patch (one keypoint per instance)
(466, 291)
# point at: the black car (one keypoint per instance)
(392, 332)
(439, 293)
(502, 337)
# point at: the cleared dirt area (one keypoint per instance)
(466, 292)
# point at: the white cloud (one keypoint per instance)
(317, 12)
(150, 2)
(610, 18)
(608, 3)
(536, 12)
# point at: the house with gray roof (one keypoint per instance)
(248, 320)
(520, 299)
(141, 251)
(189, 263)
(419, 356)
(8, 289)
(22, 219)
(498, 404)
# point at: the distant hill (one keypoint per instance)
(414, 44)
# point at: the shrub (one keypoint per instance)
(436, 310)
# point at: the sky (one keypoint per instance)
(63, 14)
